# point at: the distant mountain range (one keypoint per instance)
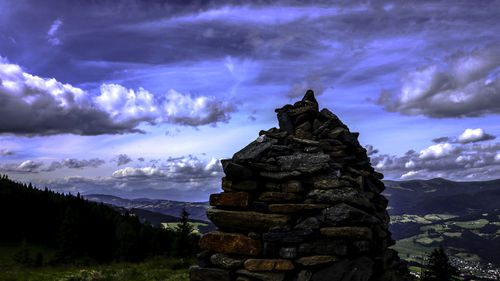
(172, 208)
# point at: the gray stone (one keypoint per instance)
(262, 276)
(304, 162)
(197, 273)
(225, 261)
(235, 171)
(360, 269)
(288, 252)
(323, 247)
(309, 223)
(293, 186)
(345, 194)
(343, 214)
(280, 175)
(285, 122)
(245, 221)
(255, 150)
(304, 275)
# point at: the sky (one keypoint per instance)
(140, 98)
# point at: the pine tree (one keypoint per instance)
(184, 229)
(439, 267)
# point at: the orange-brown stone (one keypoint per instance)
(315, 260)
(230, 199)
(230, 243)
(292, 208)
(268, 265)
(350, 232)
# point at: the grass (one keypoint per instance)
(159, 268)
(472, 224)
(165, 270)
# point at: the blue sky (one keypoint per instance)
(142, 98)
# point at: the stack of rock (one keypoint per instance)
(300, 203)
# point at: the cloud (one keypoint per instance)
(52, 33)
(474, 135)
(441, 139)
(370, 150)
(461, 85)
(31, 166)
(31, 105)
(181, 178)
(6, 152)
(471, 161)
(123, 159)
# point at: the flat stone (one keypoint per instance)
(294, 208)
(225, 261)
(255, 150)
(292, 236)
(230, 199)
(343, 214)
(323, 247)
(304, 275)
(309, 223)
(329, 182)
(350, 232)
(279, 197)
(246, 185)
(346, 195)
(245, 221)
(360, 269)
(315, 260)
(305, 141)
(293, 186)
(242, 278)
(288, 252)
(285, 122)
(230, 243)
(262, 276)
(280, 175)
(197, 273)
(235, 171)
(304, 162)
(268, 265)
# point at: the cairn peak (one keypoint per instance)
(300, 203)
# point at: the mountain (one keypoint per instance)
(196, 210)
(441, 196)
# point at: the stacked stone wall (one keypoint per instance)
(300, 203)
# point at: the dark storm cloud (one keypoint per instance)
(6, 152)
(73, 163)
(441, 139)
(123, 159)
(462, 85)
(30, 166)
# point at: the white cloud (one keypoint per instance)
(497, 158)
(437, 151)
(52, 33)
(461, 85)
(474, 135)
(31, 105)
(410, 174)
(6, 152)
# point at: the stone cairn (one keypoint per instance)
(300, 203)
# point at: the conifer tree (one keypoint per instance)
(439, 267)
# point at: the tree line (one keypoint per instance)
(77, 228)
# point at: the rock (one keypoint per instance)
(261, 207)
(346, 194)
(285, 122)
(294, 208)
(225, 261)
(203, 258)
(293, 186)
(304, 275)
(279, 197)
(241, 278)
(230, 243)
(348, 232)
(255, 150)
(315, 260)
(329, 182)
(323, 247)
(197, 273)
(304, 162)
(247, 185)
(288, 252)
(292, 236)
(345, 270)
(309, 223)
(280, 175)
(343, 214)
(309, 97)
(262, 276)
(235, 171)
(271, 250)
(268, 265)
(230, 199)
(245, 221)
(305, 141)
